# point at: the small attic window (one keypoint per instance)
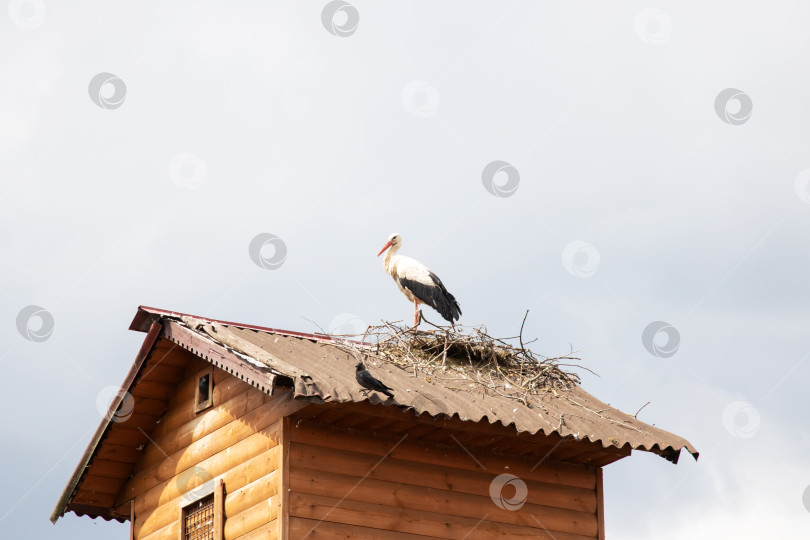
(204, 394)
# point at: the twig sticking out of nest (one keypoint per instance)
(468, 355)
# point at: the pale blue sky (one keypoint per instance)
(249, 118)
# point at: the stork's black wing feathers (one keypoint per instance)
(436, 297)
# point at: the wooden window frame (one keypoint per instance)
(201, 406)
(212, 486)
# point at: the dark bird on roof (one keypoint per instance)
(367, 380)
(418, 283)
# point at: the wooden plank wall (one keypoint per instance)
(236, 440)
(345, 484)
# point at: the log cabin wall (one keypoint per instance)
(236, 440)
(378, 481)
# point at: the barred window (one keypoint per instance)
(201, 512)
(198, 522)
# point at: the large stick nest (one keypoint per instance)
(468, 355)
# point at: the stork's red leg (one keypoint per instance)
(415, 313)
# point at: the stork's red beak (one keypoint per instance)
(386, 246)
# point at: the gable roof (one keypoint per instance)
(321, 372)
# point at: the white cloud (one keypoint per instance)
(735, 498)
(30, 68)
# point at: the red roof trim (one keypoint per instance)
(146, 315)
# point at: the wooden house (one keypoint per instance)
(230, 431)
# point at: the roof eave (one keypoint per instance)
(64, 499)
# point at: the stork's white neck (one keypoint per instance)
(388, 260)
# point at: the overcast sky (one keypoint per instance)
(654, 166)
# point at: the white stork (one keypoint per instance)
(418, 283)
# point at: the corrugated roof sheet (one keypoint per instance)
(322, 371)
